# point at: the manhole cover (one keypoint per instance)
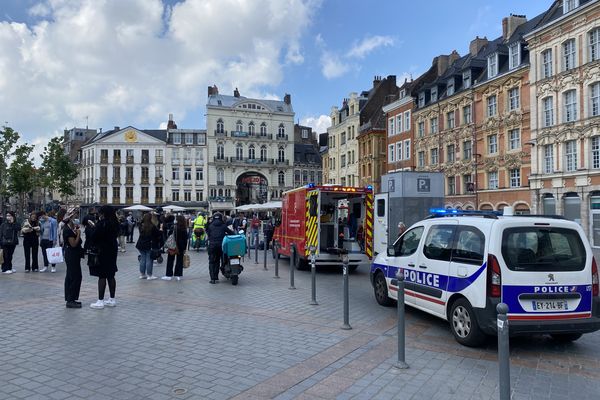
(179, 391)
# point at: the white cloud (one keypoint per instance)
(368, 44)
(132, 62)
(331, 65)
(319, 124)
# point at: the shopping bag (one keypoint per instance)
(55, 255)
(1, 256)
(186, 261)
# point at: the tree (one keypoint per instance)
(22, 173)
(58, 172)
(8, 140)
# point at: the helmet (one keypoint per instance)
(218, 215)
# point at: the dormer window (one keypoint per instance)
(434, 94)
(402, 93)
(450, 87)
(466, 79)
(492, 65)
(569, 5)
(514, 55)
(422, 99)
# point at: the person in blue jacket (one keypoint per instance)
(48, 237)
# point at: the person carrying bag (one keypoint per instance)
(176, 248)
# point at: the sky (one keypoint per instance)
(106, 63)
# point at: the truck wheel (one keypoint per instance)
(566, 337)
(301, 264)
(463, 324)
(381, 290)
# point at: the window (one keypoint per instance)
(547, 63)
(239, 127)
(434, 156)
(263, 129)
(189, 138)
(467, 119)
(145, 174)
(492, 65)
(381, 208)
(158, 172)
(407, 149)
(187, 174)
(451, 185)
(263, 153)
(570, 106)
(421, 99)
(406, 121)
(199, 174)
(595, 99)
(251, 152)
(251, 129)
(421, 157)
(297, 177)
(116, 194)
(304, 177)
(399, 127)
(514, 55)
(492, 144)
(569, 5)
(391, 157)
(220, 177)
(438, 244)
(571, 155)
(468, 182)
(568, 55)
(175, 195)
(281, 130)
(515, 178)
(492, 106)
(343, 158)
(548, 111)
(433, 94)
(187, 195)
(343, 138)
(391, 127)
(199, 156)
(281, 178)
(281, 154)
(513, 99)
(450, 153)
(408, 243)
(466, 79)
(594, 42)
(450, 120)
(450, 87)
(175, 174)
(469, 246)
(187, 155)
(220, 126)
(492, 180)
(514, 139)
(304, 133)
(467, 150)
(549, 159)
(596, 152)
(176, 138)
(399, 152)
(433, 123)
(239, 152)
(421, 129)
(220, 151)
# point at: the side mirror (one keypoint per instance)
(391, 251)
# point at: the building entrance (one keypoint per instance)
(252, 187)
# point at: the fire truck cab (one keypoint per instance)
(328, 218)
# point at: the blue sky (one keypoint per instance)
(132, 62)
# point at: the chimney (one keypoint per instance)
(236, 93)
(442, 64)
(477, 44)
(171, 124)
(453, 57)
(213, 90)
(210, 91)
(100, 130)
(376, 81)
(117, 128)
(511, 23)
(287, 99)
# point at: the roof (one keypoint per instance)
(306, 154)
(221, 100)
(160, 134)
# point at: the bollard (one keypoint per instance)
(401, 363)
(276, 255)
(266, 248)
(346, 325)
(256, 250)
(313, 273)
(248, 247)
(503, 351)
(293, 256)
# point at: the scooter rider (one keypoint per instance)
(216, 231)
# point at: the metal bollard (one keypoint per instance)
(503, 351)
(256, 250)
(276, 255)
(292, 265)
(266, 248)
(401, 363)
(313, 273)
(346, 325)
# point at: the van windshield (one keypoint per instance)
(543, 249)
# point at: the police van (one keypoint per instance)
(459, 265)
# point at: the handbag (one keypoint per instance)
(55, 255)
(186, 260)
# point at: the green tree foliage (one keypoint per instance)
(22, 173)
(58, 172)
(8, 140)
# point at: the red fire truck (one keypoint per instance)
(328, 218)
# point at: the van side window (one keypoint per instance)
(313, 206)
(409, 242)
(381, 208)
(469, 246)
(438, 245)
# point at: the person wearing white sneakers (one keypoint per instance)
(9, 239)
(104, 239)
(148, 240)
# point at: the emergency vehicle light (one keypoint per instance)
(370, 187)
(311, 185)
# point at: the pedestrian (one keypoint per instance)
(9, 239)
(31, 242)
(123, 232)
(104, 239)
(254, 228)
(49, 238)
(62, 219)
(148, 240)
(269, 229)
(73, 254)
(180, 233)
(130, 227)
(216, 231)
(401, 228)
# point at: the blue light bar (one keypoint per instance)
(370, 187)
(311, 185)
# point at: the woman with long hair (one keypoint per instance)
(149, 239)
(104, 238)
(73, 255)
(180, 232)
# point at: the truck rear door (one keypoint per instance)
(380, 233)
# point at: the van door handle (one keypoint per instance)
(423, 266)
(411, 265)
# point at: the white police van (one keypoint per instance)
(459, 265)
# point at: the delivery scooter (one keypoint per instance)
(234, 248)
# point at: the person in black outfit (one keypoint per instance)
(181, 238)
(73, 254)
(9, 239)
(31, 242)
(104, 238)
(216, 231)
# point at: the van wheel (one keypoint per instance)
(463, 324)
(566, 337)
(380, 289)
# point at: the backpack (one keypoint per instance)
(171, 243)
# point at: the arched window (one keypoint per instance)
(239, 126)
(263, 129)
(220, 126)
(281, 154)
(263, 153)
(251, 128)
(251, 152)
(220, 151)
(281, 178)
(220, 176)
(239, 152)
(281, 130)
(220, 192)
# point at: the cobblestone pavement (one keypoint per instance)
(193, 340)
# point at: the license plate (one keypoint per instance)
(550, 305)
(234, 261)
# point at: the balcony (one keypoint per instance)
(116, 160)
(103, 180)
(175, 182)
(175, 161)
(158, 200)
(158, 160)
(145, 180)
(187, 161)
(220, 133)
(199, 161)
(130, 160)
(104, 160)
(129, 181)
(129, 200)
(187, 182)
(145, 160)
(116, 181)
(220, 183)
(158, 180)
(220, 199)
(103, 200)
(223, 160)
(281, 137)
(282, 162)
(144, 200)
(116, 200)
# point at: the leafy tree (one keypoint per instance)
(8, 140)
(22, 173)
(58, 172)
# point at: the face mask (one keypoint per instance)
(10, 219)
